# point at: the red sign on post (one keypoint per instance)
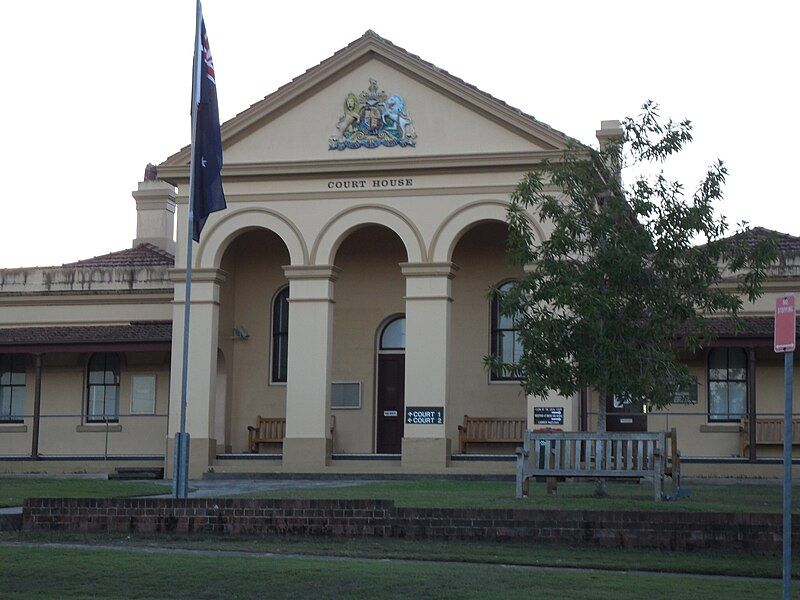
(785, 324)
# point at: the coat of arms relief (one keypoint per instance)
(371, 119)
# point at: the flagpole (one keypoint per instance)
(181, 463)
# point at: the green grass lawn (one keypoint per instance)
(430, 493)
(79, 573)
(511, 553)
(14, 490)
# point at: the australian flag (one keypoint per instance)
(207, 194)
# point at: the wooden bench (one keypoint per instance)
(490, 430)
(649, 455)
(769, 432)
(272, 430)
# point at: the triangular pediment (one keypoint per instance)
(399, 106)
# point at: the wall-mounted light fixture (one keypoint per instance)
(240, 333)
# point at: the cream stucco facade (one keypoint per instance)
(361, 236)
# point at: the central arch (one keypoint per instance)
(370, 288)
(338, 228)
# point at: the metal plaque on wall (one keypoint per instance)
(425, 415)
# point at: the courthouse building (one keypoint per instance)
(339, 304)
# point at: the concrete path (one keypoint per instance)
(221, 488)
(328, 558)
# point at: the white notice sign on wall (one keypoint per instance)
(143, 394)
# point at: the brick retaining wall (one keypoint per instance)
(750, 532)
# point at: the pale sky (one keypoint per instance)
(93, 90)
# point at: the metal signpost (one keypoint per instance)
(785, 340)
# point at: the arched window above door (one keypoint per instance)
(393, 336)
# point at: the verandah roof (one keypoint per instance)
(136, 335)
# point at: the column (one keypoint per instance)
(752, 406)
(428, 298)
(37, 405)
(307, 445)
(201, 391)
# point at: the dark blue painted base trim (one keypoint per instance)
(735, 460)
(483, 457)
(365, 457)
(249, 456)
(148, 457)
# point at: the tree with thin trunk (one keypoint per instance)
(628, 274)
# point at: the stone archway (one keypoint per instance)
(340, 226)
(218, 237)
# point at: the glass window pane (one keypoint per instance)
(394, 335)
(17, 401)
(96, 400)
(737, 364)
(737, 400)
(5, 402)
(5, 369)
(517, 348)
(718, 400)
(504, 322)
(506, 346)
(718, 364)
(279, 357)
(112, 369)
(13, 369)
(280, 312)
(97, 366)
(112, 401)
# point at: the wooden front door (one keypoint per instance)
(627, 417)
(391, 402)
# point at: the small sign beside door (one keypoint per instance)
(390, 413)
(548, 415)
(425, 415)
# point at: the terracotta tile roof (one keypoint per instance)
(133, 333)
(751, 327)
(143, 255)
(787, 244)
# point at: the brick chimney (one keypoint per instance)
(155, 212)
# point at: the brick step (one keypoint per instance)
(137, 473)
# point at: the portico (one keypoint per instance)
(343, 230)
